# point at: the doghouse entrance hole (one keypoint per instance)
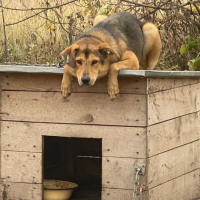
(77, 160)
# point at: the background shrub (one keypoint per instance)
(35, 32)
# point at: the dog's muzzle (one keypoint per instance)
(85, 80)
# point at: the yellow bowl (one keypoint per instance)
(57, 189)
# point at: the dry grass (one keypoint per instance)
(36, 40)
(42, 38)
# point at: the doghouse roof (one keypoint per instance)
(139, 73)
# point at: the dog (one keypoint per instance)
(120, 41)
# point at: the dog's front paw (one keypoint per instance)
(66, 90)
(113, 91)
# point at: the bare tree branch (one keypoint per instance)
(144, 5)
(61, 24)
(43, 10)
(174, 19)
(197, 8)
(161, 6)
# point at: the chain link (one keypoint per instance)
(137, 182)
(138, 189)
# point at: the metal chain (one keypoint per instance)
(142, 188)
(138, 189)
(137, 183)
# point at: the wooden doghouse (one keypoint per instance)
(153, 126)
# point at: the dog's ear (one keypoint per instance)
(69, 54)
(105, 49)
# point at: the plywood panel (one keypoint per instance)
(118, 194)
(160, 84)
(21, 191)
(52, 82)
(185, 187)
(113, 194)
(172, 164)
(173, 133)
(173, 103)
(79, 108)
(119, 172)
(116, 141)
(22, 136)
(21, 167)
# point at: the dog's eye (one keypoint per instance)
(79, 62)
(94, 62)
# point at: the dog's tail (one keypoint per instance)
(99, 18)
(152, 46)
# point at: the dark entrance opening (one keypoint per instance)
(77, 160)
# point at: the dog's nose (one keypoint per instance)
(85, 80)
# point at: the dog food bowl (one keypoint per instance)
(57, 189)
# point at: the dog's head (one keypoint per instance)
(90, 61)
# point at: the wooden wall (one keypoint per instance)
(154, 121)
(173, 136)
(32, 107)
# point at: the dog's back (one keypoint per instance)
(125, 27)
(118, 42)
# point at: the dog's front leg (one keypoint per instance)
(127, 61)
(66, 86)
(113, 87)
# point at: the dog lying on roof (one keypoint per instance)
(119, 41)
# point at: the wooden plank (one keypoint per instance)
(113, 194)
(22, 136)
(173, 133)
(173, 103)
(185, 187)
(80, 108)
(0, 127)
(116, 194)
(119, 172)
(21, 167)
(160, 84)
(24, 191)
(116, 141)
(52, 82)
(21, 191)
(172, 164)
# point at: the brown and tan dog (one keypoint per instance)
(117, 42)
